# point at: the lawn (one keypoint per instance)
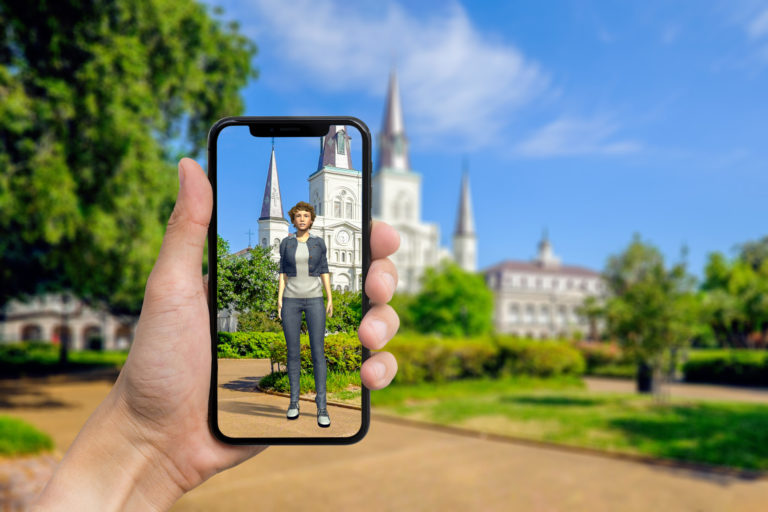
(340, 386)
(29, 358)
(18, 437)
(561, 411)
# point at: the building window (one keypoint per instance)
(340, 146)
(544, 314)
(569, 284)
(263, 242)
(523, 282)
(343, 257)
(350, 214)
(538, 283)
(554, 284)
(337, 209)
(530, 311)
(514, 313)
(335, 255)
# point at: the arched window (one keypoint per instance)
(276, 242)
(340, 146)
(350, 213)
(337, 208)
(343, 256)
(263, 242)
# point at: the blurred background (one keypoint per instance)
(579, 189)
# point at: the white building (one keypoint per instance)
(397, 201)
(336, 193)
(541, 298)
(53, 317)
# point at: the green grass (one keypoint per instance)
(18, 437)
(340, 386)
(37, 358)
(730, 434)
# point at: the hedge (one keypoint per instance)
(435, 359)
(343, 352)
(246, 345)
(742, 368)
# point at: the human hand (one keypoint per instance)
(149, 442)
(280, 309)
(329, 309)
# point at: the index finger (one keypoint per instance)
(385, 240)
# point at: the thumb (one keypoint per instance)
(181, 255)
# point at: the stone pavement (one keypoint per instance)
(246, 412)
(400, 467)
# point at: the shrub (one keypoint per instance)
(435, 359)
(599, 353)
(246, 345)
(343, 352)
(258, 321)
(18, 437)
(743, 368)
(539, 358)
(336, 381)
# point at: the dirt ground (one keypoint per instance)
(402, 467)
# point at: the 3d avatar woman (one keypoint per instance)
(303, 267)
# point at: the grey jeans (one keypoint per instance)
(314, 311)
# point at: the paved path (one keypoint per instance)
(401, 467)
(683, 390)
(246, 412)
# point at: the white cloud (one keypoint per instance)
(571, 136)
(758, 26)
(456, 81)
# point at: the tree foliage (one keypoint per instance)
(97, 101)
(452, 302)
(246, 282)
(653, 309)
(737, 296)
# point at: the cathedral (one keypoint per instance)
(335, 191)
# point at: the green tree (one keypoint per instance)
(452, 302)
(248, 281)
(653, 310)
(97, 102)
(347, 312)
(736, 297)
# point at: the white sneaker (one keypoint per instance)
(293, 411)
(323, 420)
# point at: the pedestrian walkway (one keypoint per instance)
(401, 467)
(683, 390)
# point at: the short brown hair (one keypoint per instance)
(301, 205)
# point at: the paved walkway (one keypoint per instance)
(400, 467)
(246, 412)
(683, 390)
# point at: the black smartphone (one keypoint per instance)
(288, 254)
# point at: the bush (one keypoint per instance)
(598, 354)
(258, 321)
(435, 359)
(737, 367)
(335, 382)
(246, 345)
(539, 358)
(343, 352)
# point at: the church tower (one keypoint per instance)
(396, 198)
(464, 238)
(336, 193)
(546, 256)
(272, 224)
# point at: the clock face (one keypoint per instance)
(343, 237)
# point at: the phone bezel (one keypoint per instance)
(286, 126)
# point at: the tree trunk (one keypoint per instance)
(645, 383)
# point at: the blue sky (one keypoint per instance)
(594, 120)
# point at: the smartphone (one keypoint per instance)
(288, 254)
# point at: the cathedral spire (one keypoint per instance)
(272, 205)
(335, 150)
(393, 145)
(465, 222)
(547, 256)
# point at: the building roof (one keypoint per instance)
(393, 145)
(272, 204)
(465, 222)
(534, 267)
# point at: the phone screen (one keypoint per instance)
(292, 221)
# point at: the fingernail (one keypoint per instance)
(181, 173)
(380, 328)
(378, 369)
(390, 280)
